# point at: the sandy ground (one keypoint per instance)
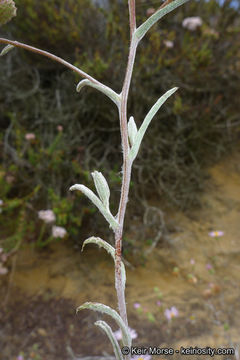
(197, 274)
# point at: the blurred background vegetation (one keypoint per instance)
(52, 137)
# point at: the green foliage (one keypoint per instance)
(31, 180)
(15, 220)
(195, 128)
(7, 11)
(55, 25)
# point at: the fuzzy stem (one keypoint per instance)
(124, 133)
(127, 165)
(50, 56)
(132, 16)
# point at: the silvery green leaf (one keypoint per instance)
(107, 329)
(143, 29)
(102, 187)
(132, 130)
(103, 88)
(138, 138)
(110, 249)
(127, 341)
(98, 203)
(101, 243)
(6, 49)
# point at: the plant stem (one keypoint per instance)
(127, 164)
(50, 56)
(132, 16)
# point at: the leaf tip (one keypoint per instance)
(81, 84)
(75, 187)
(6, 49)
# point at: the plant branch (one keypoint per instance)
(52, 57)
(127, 164)
(132, 16)
(124, 132)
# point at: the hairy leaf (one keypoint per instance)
(110, 249)
(138, 138)
(127, 341)
(6, 49)
(103, 88)
(107, 329)
(98, 203)
(143, 29)
(132, 130)
(101, 187)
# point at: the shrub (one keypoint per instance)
(199, 125)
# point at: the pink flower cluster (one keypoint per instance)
(192, 23)
(168, 43)
(150, 11)
(58, 232)
(48, 217)
(30, 136)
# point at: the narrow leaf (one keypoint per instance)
(101, 243)
(132, 130)
(107, 329)
(101, 187)
(103, 88)
(98, 203)
(127, 341)
(110, 249)
(138, 139)
(143, 29)
(6, 49)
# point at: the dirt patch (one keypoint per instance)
(196, 273)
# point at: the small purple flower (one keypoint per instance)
(209, 267)
(192, 262)
(136, 305)
(141, 357)
(118, 334)
(171, 313)
(20, 357)
(133, 333)
(217, 233)
(159, 303)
